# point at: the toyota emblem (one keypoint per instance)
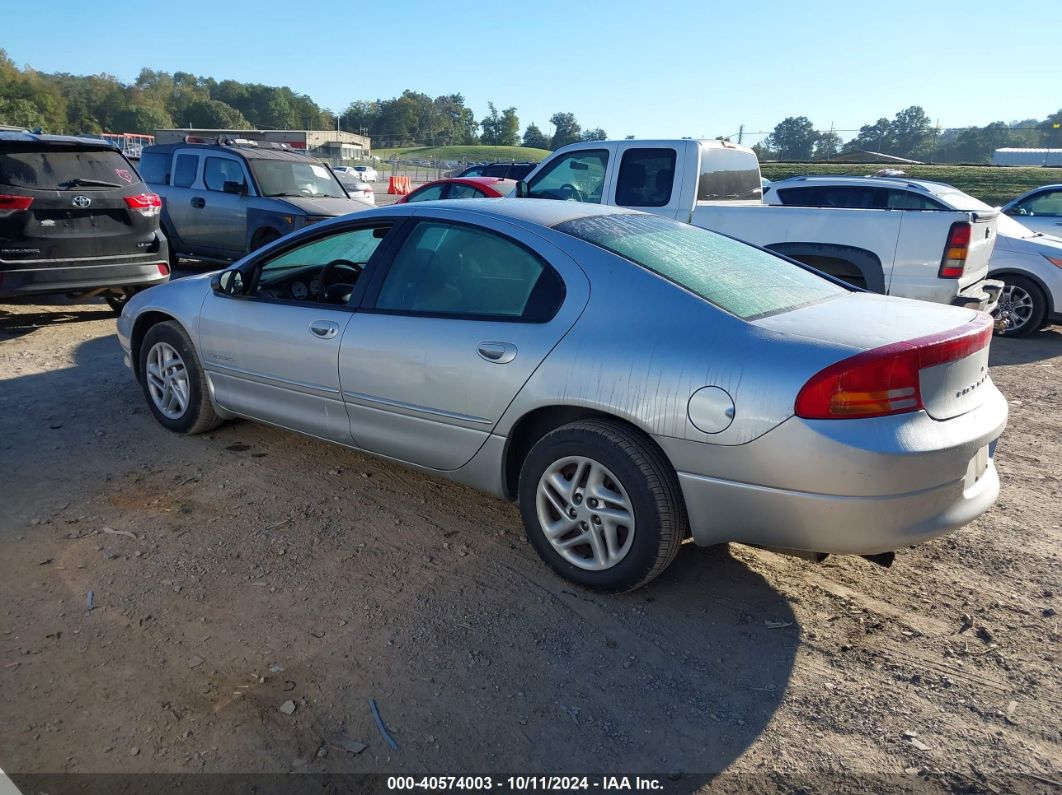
(82, 201)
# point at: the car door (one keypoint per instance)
(450, 331)
(222, 205)
(180, 215)
(270, 344)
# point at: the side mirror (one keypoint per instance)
(231, 186)
(227, 282)
(521, 190)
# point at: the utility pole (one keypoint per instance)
(741, 133)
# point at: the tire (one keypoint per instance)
(629, 466)
(1024, 303)
(181, 365)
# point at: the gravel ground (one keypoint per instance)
(252, 590)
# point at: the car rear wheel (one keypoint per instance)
(601, 505)
(173, 381)
(1023, 304)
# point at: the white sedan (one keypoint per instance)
(356, 187)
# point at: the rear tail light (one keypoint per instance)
(147, 204)
(884, 380)
(9, 205)
(164, 269)
(953, 262)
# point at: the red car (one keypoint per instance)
(461, 188)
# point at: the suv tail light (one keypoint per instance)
(884, 380)
(9, 205)
(164, 268)
(953, 262)
(147, 204)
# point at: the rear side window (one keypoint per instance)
(66, 169)
(459, 190)
(219, 170)
(185, 170)
(734, 276)
(155, 167)
(646, 177)
(446, 269)
(728, 174)
(852, 197)
(500, 170)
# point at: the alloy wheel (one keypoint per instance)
(1016, 306)
(167, 380)
(585, 513)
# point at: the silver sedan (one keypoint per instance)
(629, 380)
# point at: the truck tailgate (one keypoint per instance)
(982, 243)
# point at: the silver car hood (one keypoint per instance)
(329, 207)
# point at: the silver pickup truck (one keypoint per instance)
(909, 244)
(222, 200)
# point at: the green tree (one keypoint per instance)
(491, 127)
(509, 128)
(566, 130)
(534, 137)
(793, 138)
(596, 134)
(872, 138)
(214, 115)
(911, 134)
(827, 145)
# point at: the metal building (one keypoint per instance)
(1013, 156)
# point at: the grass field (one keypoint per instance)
(991, 184)
(465, 153)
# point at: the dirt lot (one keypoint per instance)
(234, 572)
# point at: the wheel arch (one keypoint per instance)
(141, 326)
(865, 262)
(538, 422)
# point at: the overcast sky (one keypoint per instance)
(650, 69)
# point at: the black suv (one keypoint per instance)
(76, 218)
(515, 171)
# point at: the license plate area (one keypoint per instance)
(978, 465)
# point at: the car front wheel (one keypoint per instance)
(173, 381)
(601, 505)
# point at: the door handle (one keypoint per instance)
(199, 201)
(496, 352)
(324, 329)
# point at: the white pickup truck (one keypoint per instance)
(898, 243)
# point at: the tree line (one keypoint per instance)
(72, 104)
(909, 134)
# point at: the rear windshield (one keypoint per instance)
(734, 276)
(64, 169)
(728, 174)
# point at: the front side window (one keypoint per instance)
(296, 178)
(1048, 203)
(184, 171)
(579, 176)
(736, 277)
(446, 269)
(313, 270)
(219, 170)
(59, 168)
(646, 177)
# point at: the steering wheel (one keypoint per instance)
(327, 272)
(572, 193)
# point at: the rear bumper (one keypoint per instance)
(830, 523)
(983, 296)
(76, 277)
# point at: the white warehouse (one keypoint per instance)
(1027, 157)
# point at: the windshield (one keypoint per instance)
(734, 276)
(63, 169)
(295, 178)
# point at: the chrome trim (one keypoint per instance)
(221, 368)
(451, 415)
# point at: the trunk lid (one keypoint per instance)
(948, 345)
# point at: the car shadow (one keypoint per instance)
(18, 324)
(480, 658)
(1038, 346)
